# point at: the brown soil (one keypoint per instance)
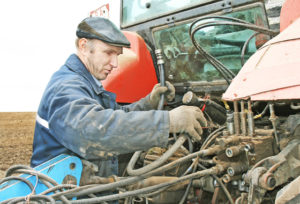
(16, 136)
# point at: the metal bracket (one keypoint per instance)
(63, 168)
(227, 6)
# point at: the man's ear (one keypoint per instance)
(82, 45)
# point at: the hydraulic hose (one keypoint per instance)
(33, 198)
(160, 64)
(245, 47)
(157, 162)
(12, 169)
(225, 72)
(28, 183)
(82, 191)
(59, 187)
(211, 137)
(189, 185)
(173, 149)
(39, 175)
(198, 174)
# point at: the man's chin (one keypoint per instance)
(101, 78)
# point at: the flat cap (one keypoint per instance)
(101, 29)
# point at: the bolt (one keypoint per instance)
(235, 183)
(271, 181)
(230, 171)
(229, 152)
(248, 147)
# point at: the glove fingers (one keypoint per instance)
(155, 86)
(194, 135)
(198, 127)
(170, 92)
(200, 117)
(160, 90)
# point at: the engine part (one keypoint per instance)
(215, 111)
(273, 171)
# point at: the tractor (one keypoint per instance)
(222, 56)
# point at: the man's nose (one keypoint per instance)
(114, 61)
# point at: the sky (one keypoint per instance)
(37, 36)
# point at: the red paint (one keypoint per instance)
(135, 76)
(290, 11)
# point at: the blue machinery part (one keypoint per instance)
(58, 168)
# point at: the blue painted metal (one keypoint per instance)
(57, 169)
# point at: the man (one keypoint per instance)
(77, 116)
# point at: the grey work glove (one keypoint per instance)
(157, 90)
(187, 119)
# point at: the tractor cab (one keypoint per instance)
(179, 27)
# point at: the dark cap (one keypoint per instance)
(101, 29)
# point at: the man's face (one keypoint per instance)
(99, 58)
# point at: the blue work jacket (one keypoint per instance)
(77, 116)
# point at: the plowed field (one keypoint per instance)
(16, 136)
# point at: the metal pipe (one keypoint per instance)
(273, 119)
(250, 118)
(236, 118)
(243, 119)
(160, 64)
(229, 122)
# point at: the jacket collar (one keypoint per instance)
(75, 64)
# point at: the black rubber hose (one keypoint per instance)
(111, 186)
(33, 198)
(12, 169)
(147, 189)
(162, 83)
(188, 187)
(245, 47)
(156, 163)
(226, 73)
(211, 136)
(41, 176)
(28, 183)
(58, 187)
(171, 151)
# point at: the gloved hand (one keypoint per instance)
(187, 119)
(157, 90)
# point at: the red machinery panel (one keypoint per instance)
(135, 76)
(290, 11)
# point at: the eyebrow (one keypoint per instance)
(114, 51)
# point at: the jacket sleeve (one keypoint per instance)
(85, 127)
(141, 105)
